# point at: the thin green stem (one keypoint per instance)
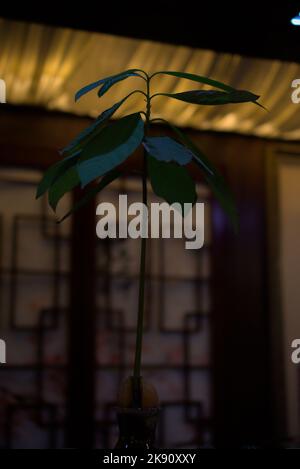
(146, 77)
(137, 391)
(137, 91)
(154, 74)
(148, 108)
(158, 94)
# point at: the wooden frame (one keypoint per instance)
(277, 153)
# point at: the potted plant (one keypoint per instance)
(94, 159)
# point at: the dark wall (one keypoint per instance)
(243, 394)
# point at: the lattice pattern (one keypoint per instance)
(34, 273)
(177, 340)
(34, 294)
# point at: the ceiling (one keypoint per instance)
(243, 28)
(44, 66)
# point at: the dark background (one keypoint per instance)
(245, 404)
(256, 29)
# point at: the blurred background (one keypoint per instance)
(219, 321)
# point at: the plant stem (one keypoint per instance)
(137, 391)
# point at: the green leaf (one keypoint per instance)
(92, 192)
(106, 83)
(110, 147)
(171, 182)
(198, 78)
(212, 98)
(90, 132)
(113, 80)
(167, 149)
(213, 178)
(67, 181)
(53, 173)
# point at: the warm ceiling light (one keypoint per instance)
(296, 20)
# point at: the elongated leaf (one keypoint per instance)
(110, 148)
(171, 182)
(65, 183)
(106, 82)
(212, 97)
(53, 173)
(167, 149)
(92, 192)
(213, 178)
(221, 191)
(199, 79)
(113, 80)
(90, 132)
